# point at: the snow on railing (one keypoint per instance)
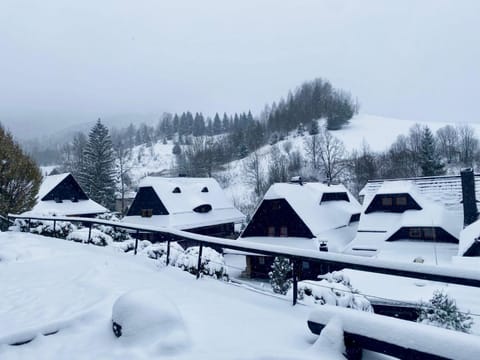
(444, 274)
(396, 337)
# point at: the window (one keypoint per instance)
(58, 200)
(305, 265)
(177, 190)
(147, 212)
(283, 231)
(203, 208)
(74, 199)
(335, 197)
(387, 201)
(271, 231)
(261, 260)
(276, 205)
(205, 189)
(429, 233)
(401, 201)
(415, 233)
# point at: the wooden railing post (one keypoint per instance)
(136, 243)
(199, 265)
(295, 280)
(168, 252)
(54, 228)
(89, 233)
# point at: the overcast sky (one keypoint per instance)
(67, 61)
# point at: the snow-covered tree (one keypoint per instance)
(19, 177)
(429, 161)
(281, 275)
(441, 311)
(98, 175)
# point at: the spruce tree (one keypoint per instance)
(98, 176)
(19, 177)
(280, 276)
(217, 125)
(429, 161)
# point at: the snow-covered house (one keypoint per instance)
(62, 195)
(415, 219)
(197, 205)
(311, 216)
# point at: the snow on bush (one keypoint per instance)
(441, 311)
(116, 233)
(96, 237)
(148, 318)
(334, 289)
(45, 227)
(158, 251)
(280, 276)
(212, 264)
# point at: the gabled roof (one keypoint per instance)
(49, 183)
(66, 207)
(377, 227)
(446, 190)
(306, 201)
(180, 195)
(327, 220)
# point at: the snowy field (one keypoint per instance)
(49, 284)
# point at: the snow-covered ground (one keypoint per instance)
(48, 284)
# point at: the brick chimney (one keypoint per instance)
(470, 212)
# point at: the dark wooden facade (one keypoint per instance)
(424, 233)
(277, 218)
(67, 189)
(147, 201)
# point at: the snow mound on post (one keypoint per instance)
(330, 344)
(147, 317)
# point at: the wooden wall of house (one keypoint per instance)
(68, 189)
(147, 198)
(271, 216)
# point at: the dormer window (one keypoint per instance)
(335, 196)
(205, 189)
(397, 203)
(205, 208)
(177, 190)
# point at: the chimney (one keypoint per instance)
(470, 212)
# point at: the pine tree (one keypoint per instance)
(280, 276)
(176, 150)
(19, 177)
(98, 176)
(217, 125)
(429, 162)
(441, 311)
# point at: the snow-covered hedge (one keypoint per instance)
(116, 233)
(158, 251)
(96, 237)
(334, 289)
(212, 264)
(45, 227)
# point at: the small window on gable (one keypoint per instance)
(205, 189)
(283, 231)
(429, 233)
(147, 213)
(261, 260)
(415, 233)
(58, 200)
(401, 201)
(74, 199)
(177, 190)
(271, 231)
(203, 208)
(387, 201)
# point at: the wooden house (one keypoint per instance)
(62, 195)
(312, 216)
(197, 205)
(416, 219)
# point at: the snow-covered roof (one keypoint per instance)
(376, 227)
(327, 220)
(468, 237)
(49, 183)
(180, 204)
(446, 190)
(67, 208)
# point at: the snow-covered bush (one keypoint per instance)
(45, 227)
(148, 318)
(129, 245)
(441, 311)
(333, 289)
(116, 233)
(96, 237)
(158, 251)
(281, 275)
(212, 264)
